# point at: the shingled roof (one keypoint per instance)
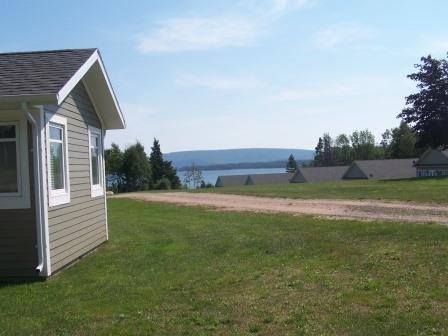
(319, 174)
(39, 72)
(48, 77)
(231, 180)
(275, 178)
(381, 169)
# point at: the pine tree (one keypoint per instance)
(328, 150)
(291, 165)
(318, 153)
(156, 160)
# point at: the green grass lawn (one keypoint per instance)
(171, 270)
(419, 190)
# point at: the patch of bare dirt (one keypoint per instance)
(352, 209)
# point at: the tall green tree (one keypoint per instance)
(363, 144)
(162, 169)
(427, 110)
(403, 142)
(319, 153)
(291, 164)
(113, 158)
(328, 150)
(156, 161)
(136, 168)
(342, 150)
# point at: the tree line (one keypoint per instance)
(424, 124)
(133, 170)
(396, 143)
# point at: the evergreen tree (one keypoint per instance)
(427, 110)
(318, 153)
(156, 161)
(328, 150)
(162, 168)
(291, 165)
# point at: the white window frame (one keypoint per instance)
(21, 198)
(60, 196)
(96, 190)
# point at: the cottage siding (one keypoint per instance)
(18, 235)
(79, 226)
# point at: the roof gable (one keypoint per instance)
(48, 77)
(231, 180)
(433, 157)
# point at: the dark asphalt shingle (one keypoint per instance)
(39, 72)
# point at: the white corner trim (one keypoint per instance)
(46, 271)
(79, 74)
(97, 189)
(58, 197)
(104, 189)
(21, 199)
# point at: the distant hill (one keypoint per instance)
(233, 156)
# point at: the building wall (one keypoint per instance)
(79, 226)
(430, 171)
(18, 234)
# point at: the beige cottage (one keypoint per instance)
(55, 108)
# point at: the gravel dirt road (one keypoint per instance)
(352, 209)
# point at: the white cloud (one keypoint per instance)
(296, 95)
(185, 34)
(342, 33)
(219, 83)
(265, 8)
(201, 33)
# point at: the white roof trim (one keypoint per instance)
(79, 75)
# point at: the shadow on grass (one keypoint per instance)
(11, 282)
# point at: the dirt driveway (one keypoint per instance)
(353, 209)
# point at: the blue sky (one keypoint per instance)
(244, 73)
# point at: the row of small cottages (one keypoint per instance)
(55, 109)
(431, 163)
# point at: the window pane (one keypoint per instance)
(95, 166)
(56, 166)
(8, 131)
(55, 133)
(8, 167)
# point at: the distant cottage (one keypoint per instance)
(381, 169)
(319, 174)
(434, 162)
(231, 180)
(55, 108)
(276, 178)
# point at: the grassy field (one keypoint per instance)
(419, 190)
(188, 271)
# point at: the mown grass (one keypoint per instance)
(415, 189)
(171, 270)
